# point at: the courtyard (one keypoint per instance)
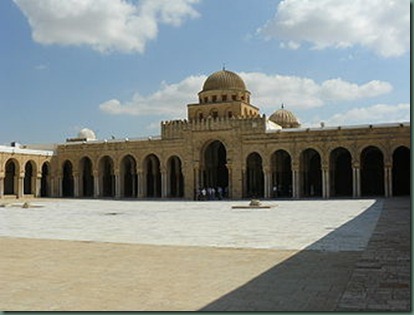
(75, 254)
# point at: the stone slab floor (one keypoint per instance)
(174, 255)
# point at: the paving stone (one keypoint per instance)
(385, 265)
(349, 255)
(213, 224)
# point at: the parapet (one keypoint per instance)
(175, 129)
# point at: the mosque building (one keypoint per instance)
(225, 143)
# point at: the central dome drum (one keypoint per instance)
(224, 95)
(224, 80)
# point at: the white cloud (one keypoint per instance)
(290, 44)
(268, 92)
(170, 100)
(297, 92)
(380, 113)
(104, 25)
(379, 25)
(339, 90)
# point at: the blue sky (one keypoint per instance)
(120, 67)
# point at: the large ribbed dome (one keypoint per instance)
(284, 118)
(224, 80)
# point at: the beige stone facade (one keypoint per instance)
(224, 144)
(25, 172)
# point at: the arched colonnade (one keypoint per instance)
(25, 178)
(341, 174)
(128, 178)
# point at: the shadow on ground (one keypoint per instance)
(312, 280)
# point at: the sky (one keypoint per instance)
(121, 67)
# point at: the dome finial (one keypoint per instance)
(224, 66)
(283, 106)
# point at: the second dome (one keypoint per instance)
(285, 118)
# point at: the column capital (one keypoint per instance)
(267, 169)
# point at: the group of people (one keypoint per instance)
(220, 193)
(211, 193)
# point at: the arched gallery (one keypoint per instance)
(224, 145)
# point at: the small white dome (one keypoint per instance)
(87, 134)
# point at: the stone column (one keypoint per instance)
(38, 184)
(325, 183)
(140, 179)
(76, 188)
(356, 188)
(20, 185)
(164, 183)
(230, 187)
(52, 187)
(390, 181)
(59, 186)
(387, 180)
(267, 182)
(188, 181)
(96, 192)
(1, 186)
(295, 182)
(196, 172)
(117, 179)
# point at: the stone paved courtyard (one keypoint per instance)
(286, 225)
(174, 255)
